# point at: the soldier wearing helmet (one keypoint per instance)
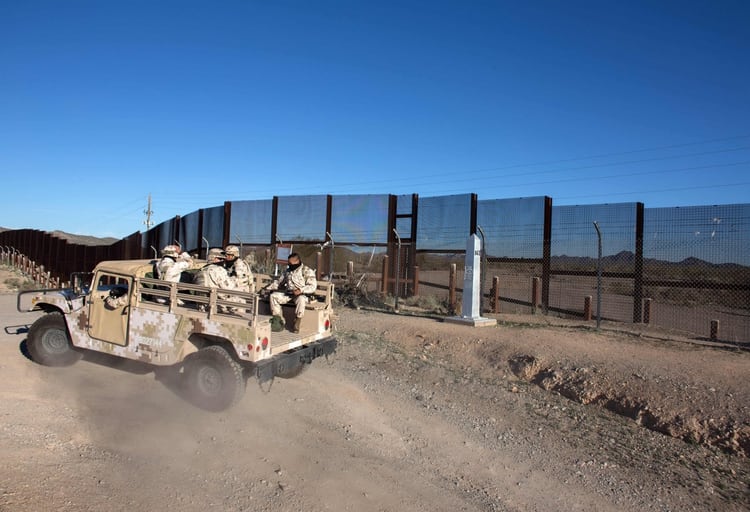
(213, 274)
(172, 264)
(238, 269)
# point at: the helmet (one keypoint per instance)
(215, 253)
(171, 250)
(232, 250)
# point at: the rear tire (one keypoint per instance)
(49, 342)
(214, 380)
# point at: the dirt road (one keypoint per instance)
(414, 415)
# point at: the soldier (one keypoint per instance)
(117, 298)
(214, 275)
(238, 269)
(170, 267)
(172, 264)
(297, 281)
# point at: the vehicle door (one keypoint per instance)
(109, 308)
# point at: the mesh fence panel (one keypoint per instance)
(514, 228)
(574, 252)
(697, 269)
(302, 218)
(189, 231)
(514, 238)
(165, 234)
(574, 235)
(213, 226)
(360, 219)
(251, 222)
(444, 222)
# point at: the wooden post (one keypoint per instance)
(587, 308)
(416, 281)
(452, 286)
(535, 294)
(714, 330)
(384, 274)
(496, 294)
(647, 310)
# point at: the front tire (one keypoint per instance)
(214, 380)
(49, 342)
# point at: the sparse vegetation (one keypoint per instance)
(17, 281)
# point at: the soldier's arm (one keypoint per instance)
(273, 285)
(311, 283)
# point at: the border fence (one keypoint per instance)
(682, 268)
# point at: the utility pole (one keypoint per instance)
(148, 222)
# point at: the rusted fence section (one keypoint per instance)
(31, 250)
(37, 273)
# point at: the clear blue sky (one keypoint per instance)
(103, 102)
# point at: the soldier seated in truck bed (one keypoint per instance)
(296, 283)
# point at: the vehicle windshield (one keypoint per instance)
(81, 282)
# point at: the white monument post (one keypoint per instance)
(471, 313)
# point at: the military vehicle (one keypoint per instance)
(213, 339)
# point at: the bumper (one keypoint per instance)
(292, 359)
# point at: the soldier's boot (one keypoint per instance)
(277, 323)
(297, 324)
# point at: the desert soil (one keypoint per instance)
(413, 414)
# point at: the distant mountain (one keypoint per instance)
(77, 239)
(627, 258)
(694, 262)
(84, 239)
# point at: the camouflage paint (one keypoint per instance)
(161, 337)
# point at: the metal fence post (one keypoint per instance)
(598, 276)
(452, 286)
(384, 275)
(496, 294)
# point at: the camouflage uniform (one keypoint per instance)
(169, 269)
(214, 275)
(239, 270)
(117, 298)
(302, 278)
(172, 264)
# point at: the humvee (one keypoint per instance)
(214, 339)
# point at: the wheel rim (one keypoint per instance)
(55, 341)
(209, 381)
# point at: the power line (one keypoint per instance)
(358, 186)
(177, 201)
(675, 189)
